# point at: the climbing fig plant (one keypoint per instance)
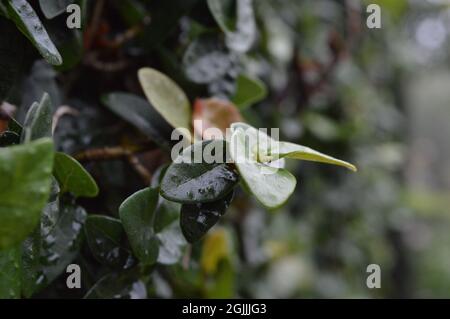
(124, 146)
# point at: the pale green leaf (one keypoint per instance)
(167, 98)
(271, 186)
(295, 151)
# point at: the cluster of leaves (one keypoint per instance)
(46, 204)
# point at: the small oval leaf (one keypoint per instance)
(137, 213)
(72, 177)
(167, 98)
(104, 236)
(191, 182)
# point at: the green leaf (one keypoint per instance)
(72, 177)
(24, 188)
(270, 185)
(295, 151)
(139, 113)
(38, 122)
(10, 273)
(58, 243)
(167, 98)
(192, 182)
(26, 19)
(53, 8)
(137, 213)
(249, 91)
(197, 219)
(206, 60)
(240, 35)
(104, 236)
(118, 286)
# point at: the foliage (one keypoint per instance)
(87, 127)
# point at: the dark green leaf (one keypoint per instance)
(197, 219)
(72, 177)
(199, 182)
(105, 239)
(26, 19)
(138, 112)
(53, 8)
(25, 172)
(137, 213)
(60, 238)
(10, 273)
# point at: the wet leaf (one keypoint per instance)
(118, 286)
(38, 122)
(26, 19)
(139, 113)
(206, 60)
(72, 177)
(271, 186)
(214, 113)
(10, 273)
(249, 91)
(59, 243)
(167, 98)
(241, 34)
(137, 213)
(197, 219)
(104, 236)
(53, 8)
(25, 172)
(199, 182)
